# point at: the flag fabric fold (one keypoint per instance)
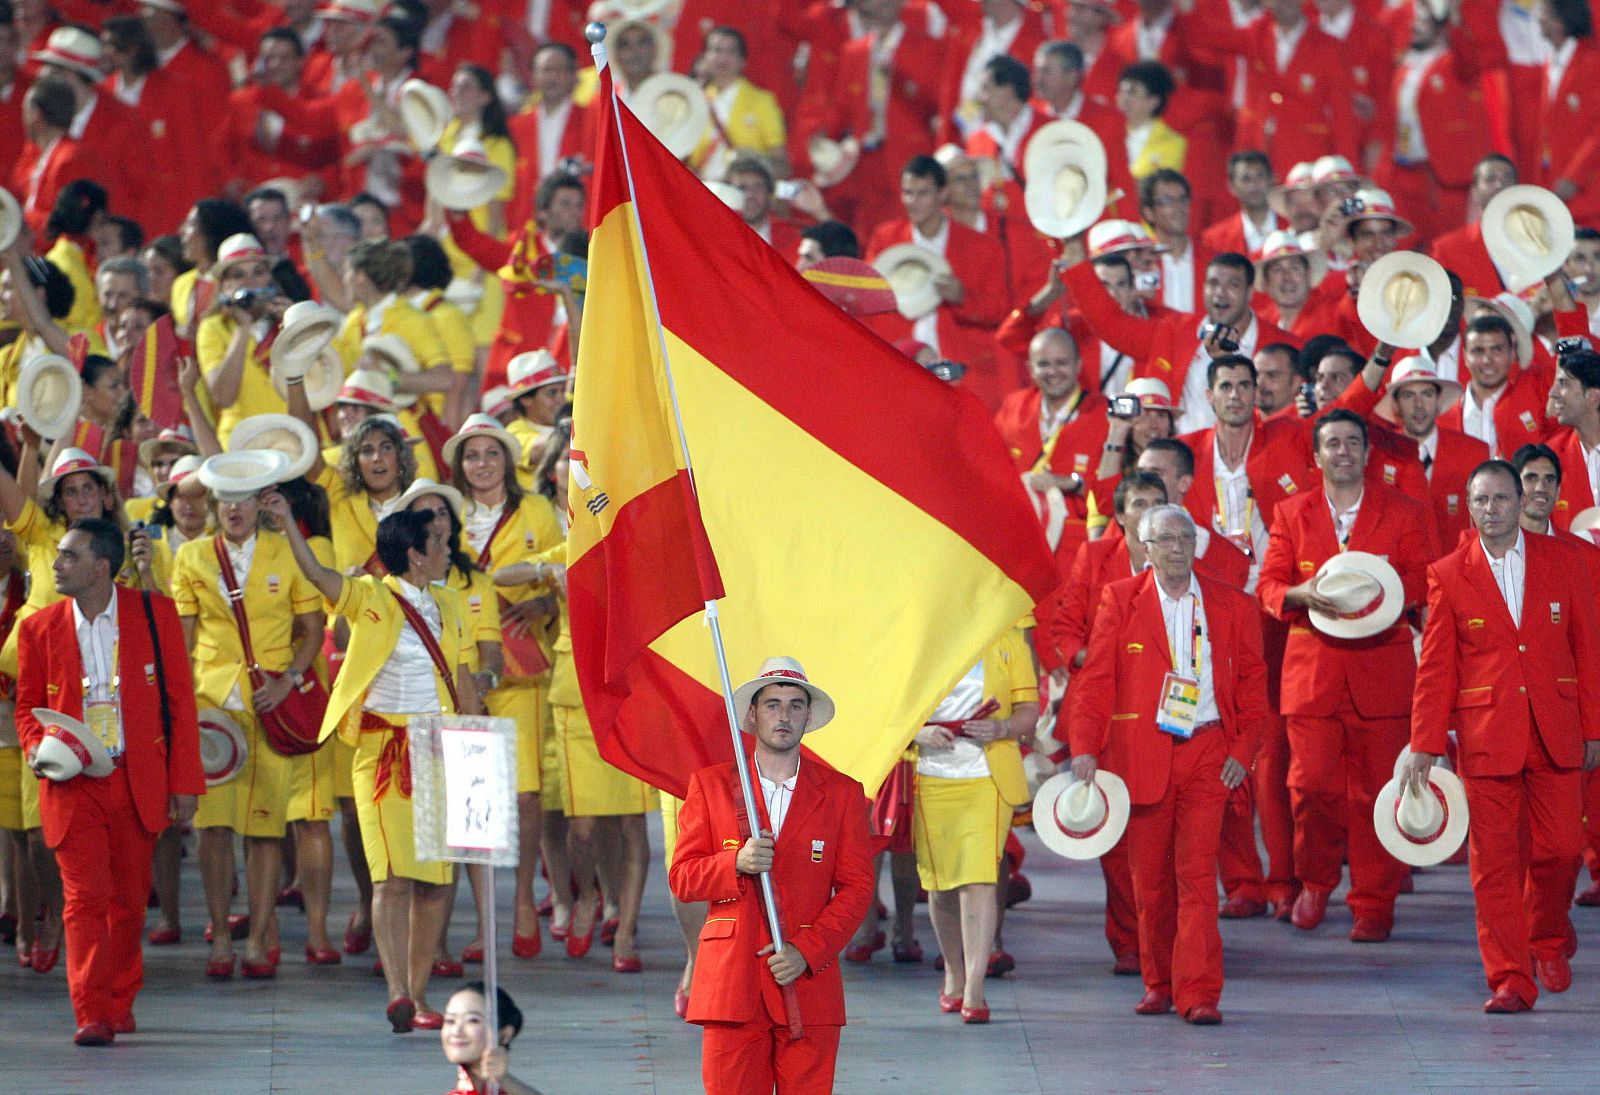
(847, 507)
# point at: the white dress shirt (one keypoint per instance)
(1557, 65)
(97, 647)
(1428, 451)
(1510, 572)
(992, 42)
(405, 684)
(481, 521)
(1477, 419)
(1185, 616)
(552, 127)
(1409, 147)
(1344, 523)
(778, 796)
(964, 759)
(1177, 275)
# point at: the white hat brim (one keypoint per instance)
(1414, 331)
(1449, 394)
(461, 183)
(10, 218)
(322, 380)
(223, 746)
(299, 344)
(1585, 520)
(55, 423)
(916, 297)
(243, 472)
(1443, 844)
(1379, 619)
(822, 708)
(681, 135)
(425, 112)
(1043, 200)
(1090, 845)
(1524, 268)
(506, 438)
(100, 763)
(1063, 131)
(247, 436)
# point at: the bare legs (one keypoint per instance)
(216, 880)
(356, 855)
(964, 923)
(407, 920)
(314, 855)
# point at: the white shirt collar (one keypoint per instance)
(1518, 549)
(108, 613)
(1339, 25)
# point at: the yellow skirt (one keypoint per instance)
(669, 827)
(960, 827)
(11, 770)
(312, 782)
(523, 701)
(254, 803)
(344, 758)
(386, 822)
(552, 794)
(591, 786)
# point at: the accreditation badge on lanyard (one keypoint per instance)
(1180, 692)
(101, 713)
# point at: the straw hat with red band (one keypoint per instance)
(1336, 169)
(237, 248)
(179, 440)
(1081, 820)
(853, 285)
(69, 748)
(368, 388)
(1366, 591)
(185, 468)
(496, 401)
(1422, 830)
(240, 476)
(533, 369)
(1404, 300)
(307, 328)
(1152, 394)
(1117, 237)
(70, 462)
(223, 746)
(674, 108)
(1377, 205)
(1282, 245)
(351, 11)
(481, 425)
(72, 48)
(784, 670)
(910, 270)
(1411, 372)
(1298, 178)
(423, 487)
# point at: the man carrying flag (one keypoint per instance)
(813, 840)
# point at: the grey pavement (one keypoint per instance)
(1305, 1012)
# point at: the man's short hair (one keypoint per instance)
(1573, 15)
(1227, 361)
(732, 34)
(1502, 467)
(430, 266)
(407, 32)
(267, 194)
(54, 100)
(836, 239)
(1287, 349)
(1232, 260)
(1498, 158)
(1148, 184)
(553, 183)
(1116, 262)
(747, 164)
(130, 233)
(342, 217)
(1353, 357)
(286, 36)
(559, 47)
(1154, 77)
(1529, 453)
(1164, 512)
(105, 540)
(1006, 71)
(1490, 322)
(1138, 479)
(926, 167)
(1178, 448)
(1249, 157)
(127, 264)
(1583, 366)
(1333, 418)
(1316, 347)
(1068, 55)
(1589, 235)
(399, 534)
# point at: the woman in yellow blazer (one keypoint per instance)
(506, 526)
(747, 118)
(285, 615)
(1143, 91)
(233, 339)
(388, 667)
(375, 276)
(480, 121)
(430, 275)
(969, 776)
(80, 208)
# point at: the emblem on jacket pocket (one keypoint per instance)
(816, 851)
(729, 842)
(1555, 612)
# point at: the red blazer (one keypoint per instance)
(1228, 235)
(1114, 713)
(1162, 347)
(1368, 56)
(50, 674)
(1318, 671)
(1018, 329)
(1278, 466)
(964, 35)
(1456, 456)
(772, 50)
(1305, 111)
(822, 871)
(1318, 315)
(577, 139)
(1575, 493)
(1455, 123)
(12, 134)
(1462, 253)
(1497, 681)
(1519, 414)
(1569, 144)
(966, 330)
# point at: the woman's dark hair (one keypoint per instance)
(555, 447)
(94, 367)
(75, 208)
(459, 560)
(170, 248)
(493, 122)
(215, 219)
(1574, 16)
(1155, 78)
(430, 266)
(505, 1008)
(59, 294)
(128, 32)
(399, 534)
(308, 502)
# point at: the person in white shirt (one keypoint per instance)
(1490, 354)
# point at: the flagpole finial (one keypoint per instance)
(595, 32)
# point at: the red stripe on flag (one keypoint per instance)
(803, 356)
(609, 184)
(663, 728)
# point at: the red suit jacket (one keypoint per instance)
(1576, 495)
(1455, 123)
(1519, 414)
(772, 50)
(967, 28)
(966, 330)
(1077, 450)
(577, 139)
(1497, 681)
(1462, 253)
(1228, 235)
(1162, 347)
(50, 674)
(822, 871)
(1318, 315)
(1569, 144)
(1456, 456)
(1303, 112)
(1318, 671)
(1119, 687)
(1278, 466)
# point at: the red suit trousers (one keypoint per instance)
(1271, 780)
(1337, 766)
(105, 877)
(1173, 847)
(1122, 914)
(1591, 823)
(1239, 860)
(1525, 836)
(755, 1057)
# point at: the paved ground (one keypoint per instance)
(1305, 1012)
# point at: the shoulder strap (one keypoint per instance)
(161, 674)
(486, 556)
(235, 599)
(420, 626)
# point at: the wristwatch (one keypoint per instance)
(298, 678)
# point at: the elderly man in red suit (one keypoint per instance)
(1462, 251)
(811, 836)
(972, 296)
(551, 129)
(94, 655)
(1511, 660)
(1346, 700)
(1173, 697)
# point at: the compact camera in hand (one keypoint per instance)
(1124, 406)
(251, 299)
(1227, 338)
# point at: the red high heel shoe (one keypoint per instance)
(164, 937)
(626, 963)
(427, 1020)
(578, 945)
(219, 969)
(356, 942)
(608, 931)
(45, 960)
(258, 971)
(400, 1013)
(446, 967)
(949, 1005)
(680, 1004)
(527, 946)
(322, 956)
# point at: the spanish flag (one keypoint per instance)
(845, 507)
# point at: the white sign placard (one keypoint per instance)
(464, 788)
(472, 759)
